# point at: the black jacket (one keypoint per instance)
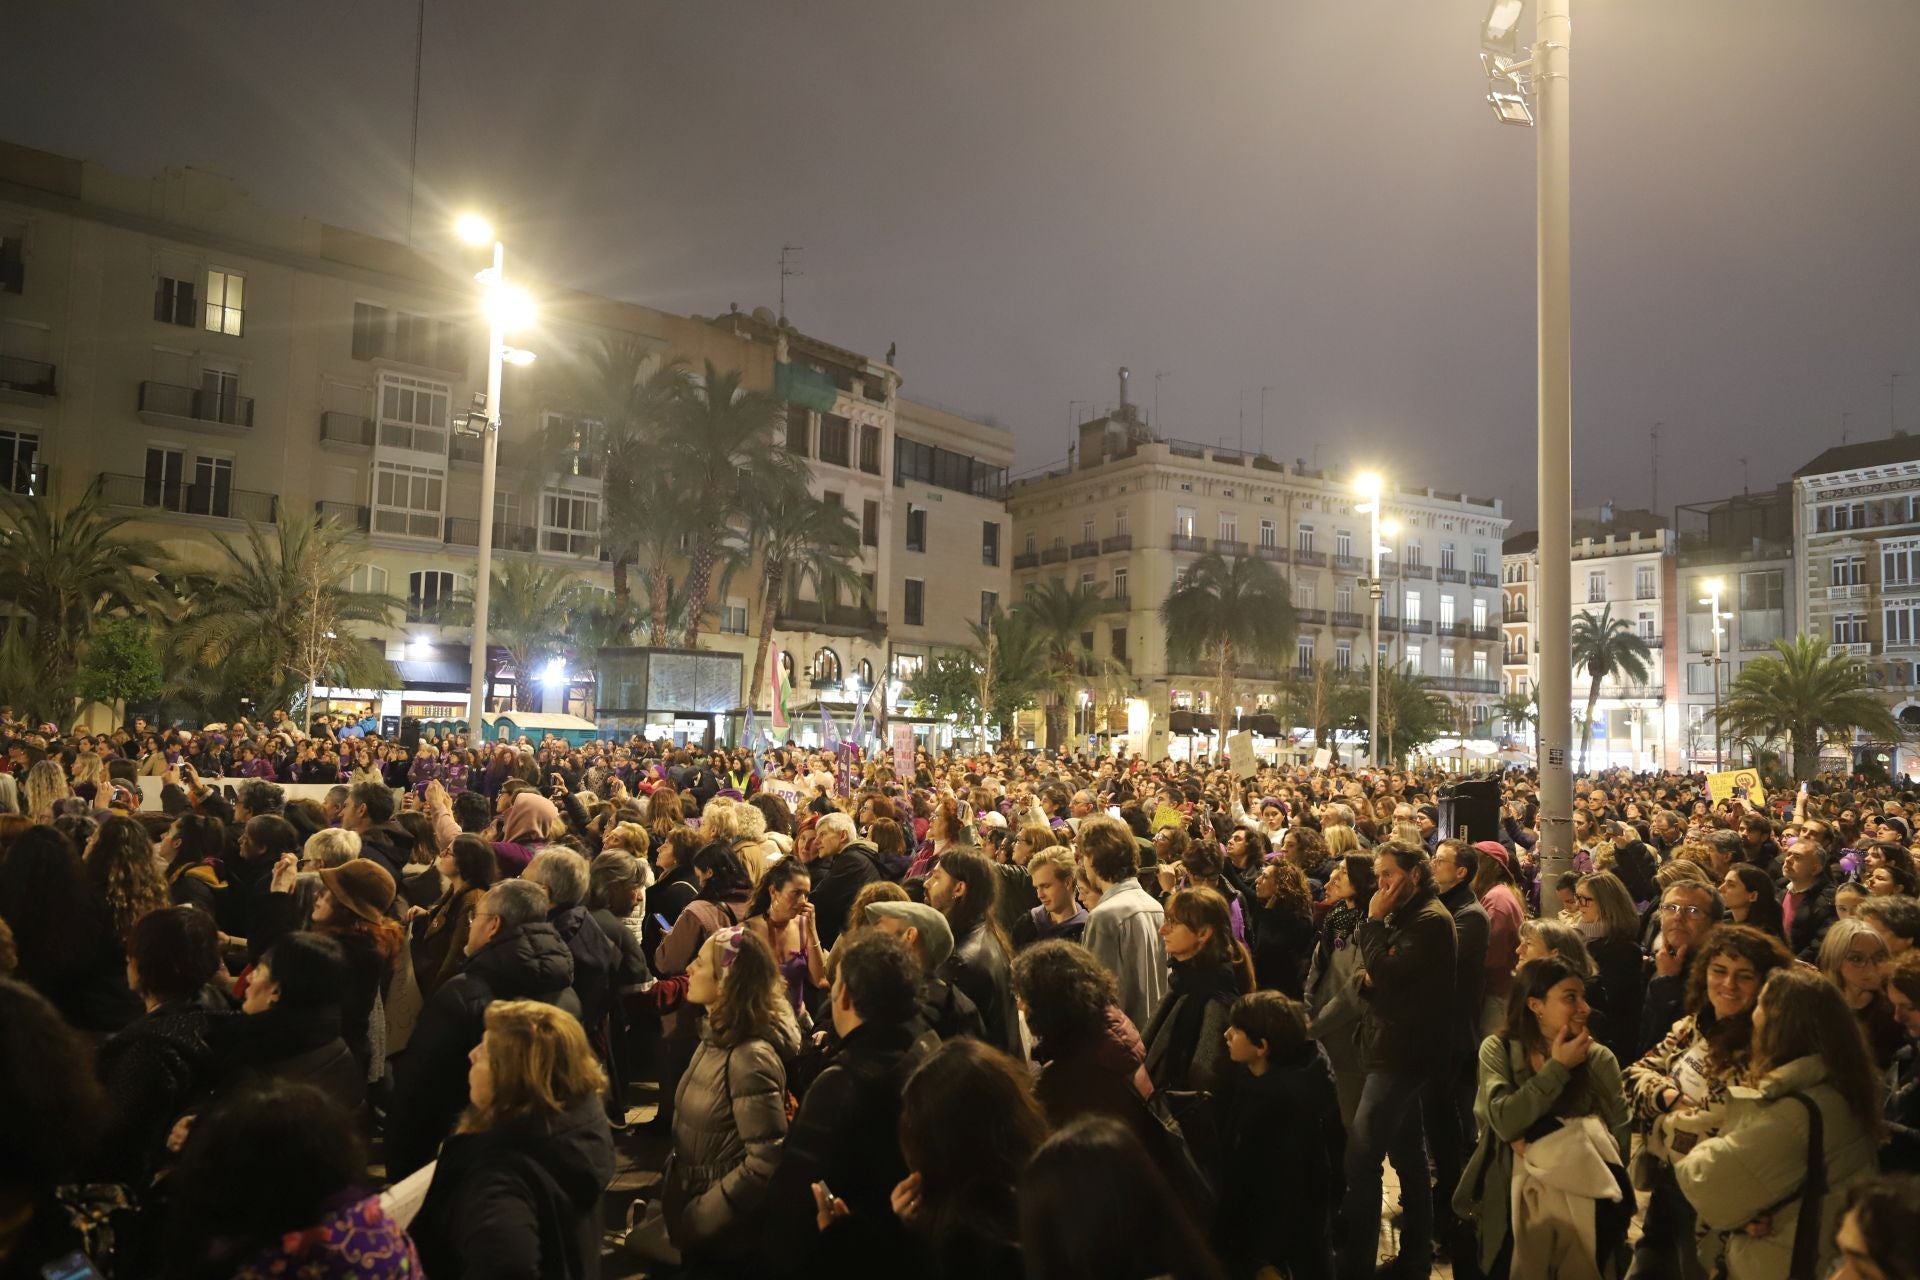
(430, 1078)
(388, 844)
(1280, 940)
(1812, 917)
(1470, 929)
(153, 1072)
(595, 957)
(948, 1012)
(519, 1201)
(1409, 956)
(846, 1133)
(837, 882)
(980, 968)
(1282, 1143)
(301, 1045)
(1621, 979)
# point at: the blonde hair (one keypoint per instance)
(540, 1061)
(1341, 840)
(723, 819)
(330, 847)
(630, 836)
(88, 767)
(46, 788)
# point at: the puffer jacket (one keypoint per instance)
(729, 1121)
(1757, 1164)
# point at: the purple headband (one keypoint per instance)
(730, 940)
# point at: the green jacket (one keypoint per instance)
(1511, 1100)
(1757, 1163)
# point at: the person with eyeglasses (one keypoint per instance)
(1688, 911)
(1855, 959)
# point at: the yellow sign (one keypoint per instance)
(1746, 782)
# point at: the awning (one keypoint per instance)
(1189, 722)
(425, 673)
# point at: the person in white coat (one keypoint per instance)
(1123, 932)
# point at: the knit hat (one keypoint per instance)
(362, 887)
(936, 935)
(1432, 812)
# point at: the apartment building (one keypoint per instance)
(1133, 510)
(1856, 545)
(210, 363)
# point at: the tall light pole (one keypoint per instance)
(1368, 485)
(1714, 586)
(506, 308)
(1544, 76)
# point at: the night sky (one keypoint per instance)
(1307, 195)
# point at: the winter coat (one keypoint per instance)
(1511, 1100)
(979, 967)
(729, 1119)
(1282, 1143)
(198, 884)
(1622, 981)
(703, 918)
(520, 1201)
(594, 959)
(1409, 955)
(837, 881)
(1100, 1074)
(1470, 933)
(1281, 942)
(631, 971)
(153, 1071)
(439, 944)
(1123, 933)
(1186, 1045)
(300, 1045)
(1505, 915)
(1813, 914)
(1334, 998)
(1757, 1164)
(528, 963)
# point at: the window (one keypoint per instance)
(1481, 715)
(413, 413)
(1343, 655)
(166, 479)
(1901, 625)
(1032, 545)
(915, 602)
(1479, 559)
(1446, 660)
(1120, 523)
(1763, 607)
(1305, 590)
(870, 448)
(212, 492)
(407, 500)
(1269, 536)
(916, 528)
(1119, 643)
(1303, 539)
(1643, 582)
(1446, 556)
(1343, 543)
(1897, 568)
(1700, 677)
(570, 523)
(826, 667)
(1479, 613)
(989, 605)
(369, 331)
(1849, 571)
(1479, 666)
(799, 429)
(1411, 612)
(1183, 522)
(368, 579)
(1850, 628)
(1840, 515)
(19, 452)
(908, 665)
(1086, 583)
(1411, 555)
(990, 542)
(1596, 587)
(429, 592)
(835, 499)
(1446, 610)
(1229, 527)
(1086, 531)
(224, 302)
(1413, 659)
(870, 523)
(835, 433)
(1120, 583)
(1643, 625)
(222, 396)
(1343, 598)
(1303, 654)
(176, 302)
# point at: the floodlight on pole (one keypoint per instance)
(474, 229)
(1713, 587)
(1368, 485)
(1501, 30)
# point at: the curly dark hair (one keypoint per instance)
(1067, 992)
(175, 950)
(1729, 1038)
(1293, 893)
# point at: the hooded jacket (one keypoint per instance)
(729, 1120)
(594, 959)
(528, 963)
(520, 1200)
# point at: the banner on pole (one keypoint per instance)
(903, 750)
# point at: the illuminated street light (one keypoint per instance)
(474, 229)
(1369, 486)
(1713, 587)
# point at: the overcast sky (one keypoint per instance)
(1306, 195)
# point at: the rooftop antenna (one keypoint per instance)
(1125, 375)
(788, 267)
(1243, 418)
(1744, 490)
(1263, 420)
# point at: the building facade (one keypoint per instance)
(1133, 510)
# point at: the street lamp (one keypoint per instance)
(1713, 588)
(1368, 486)
(507, 309)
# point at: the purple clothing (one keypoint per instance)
(355, 1242)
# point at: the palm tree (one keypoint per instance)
(1061, 616)
(1232, 611)
(724, 461)
(1806, 695)
(1411, 713)
(529, 608)
(1523, 710)
(600, 623)
(277, 608)
(1323, 698)
(1015, 659)
(800, 539)
(61, 573)
(1605, 646)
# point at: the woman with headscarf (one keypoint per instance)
(526, 824)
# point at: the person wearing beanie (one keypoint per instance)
(947, 1010)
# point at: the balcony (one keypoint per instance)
(214, 501)
(26, 381)
(1483, 579)
(1855, 649)
(1229, 547)
(1349, 620)
(1416, 571)
(1514, 615)
(1310, 617)
(1054, 555)
(1187, 542)
(1450, 575)
(162, 404)
(812, 615)
(1350, 564)
(464, 531)
(1417, 626)
(1317, 559)
(345, 513)
(27, 480)
(1389, 622)
(1118, 542)
(1117, 604)
(1457, 630)
(1849, 591)
(1490, 633)
(1026, 560)
(1463, 684)
(466, 451)
(1082, 550)
(346, 431)
(1389, 567)
(1277, 555)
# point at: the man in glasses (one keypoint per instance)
(1688, 912)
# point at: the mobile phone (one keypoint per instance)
(74, 1266)
(661, 920)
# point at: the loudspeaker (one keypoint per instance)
(1470, 810)
(410, 732)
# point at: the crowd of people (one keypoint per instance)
(328, 1005)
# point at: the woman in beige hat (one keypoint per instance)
(351, 907)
